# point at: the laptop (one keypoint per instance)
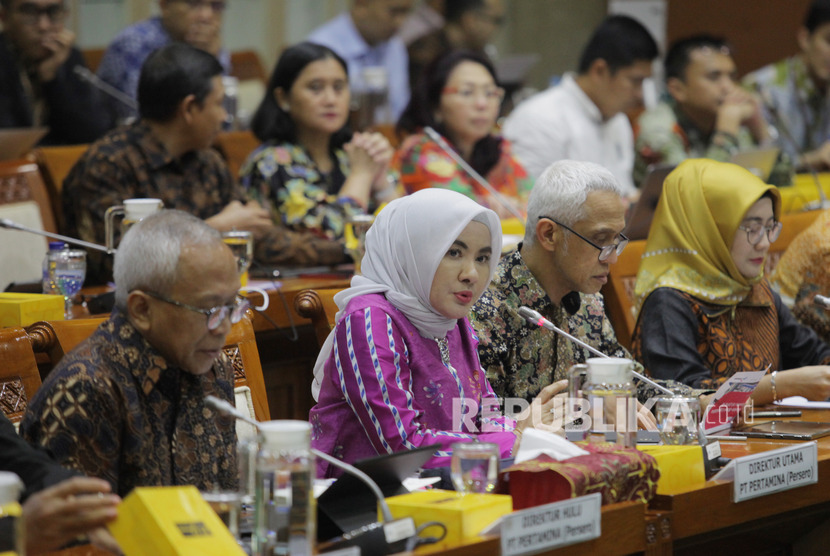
(17, 141)
(758, 161)
(349, 504)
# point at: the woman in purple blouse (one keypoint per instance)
(401, 370)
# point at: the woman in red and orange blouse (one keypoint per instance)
(458, 97)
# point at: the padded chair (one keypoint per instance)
(619, 291)
(54, 164)
(246, 64)
(320, 308)
(93, 57)
(235, 146)
(24, 200)
(19, 377)
(793, 224)
(56, 338)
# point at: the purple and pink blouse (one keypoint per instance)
(386, 388)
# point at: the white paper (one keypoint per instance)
(739, 385)
(798, 401)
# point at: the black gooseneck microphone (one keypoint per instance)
(85, 74)
(822, 301)
(11, 225)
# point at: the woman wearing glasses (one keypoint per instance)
(706, 309)
(459, 98)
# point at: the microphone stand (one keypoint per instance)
(6, 223)
(435, 136)
(535, 318)
(85, 74)
(822, 301)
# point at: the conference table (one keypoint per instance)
(699, 520)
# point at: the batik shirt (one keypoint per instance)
(422, 163)
(130, 162)
(286, 179)
(664, 135)
(114, 408)
(802, 109)
(804, 272)
(679, 337)
(386, 388)
(522, 358)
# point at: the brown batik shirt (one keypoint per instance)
(114, 408)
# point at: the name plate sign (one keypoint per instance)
(552, 525)
(775, 471)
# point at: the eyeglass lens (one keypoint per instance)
(32, 13)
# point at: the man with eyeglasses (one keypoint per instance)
(38, 84)
(575, 219)
(127, 404)
(194, 22)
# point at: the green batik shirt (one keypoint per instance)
(521, 358)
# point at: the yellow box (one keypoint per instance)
(22, 309)
(465, 516)
(171, 521)
(681, 467)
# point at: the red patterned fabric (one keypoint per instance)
(618, 474)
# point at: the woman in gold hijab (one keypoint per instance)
(706, 310)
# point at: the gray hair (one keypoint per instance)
(148, 255)
(561, 191)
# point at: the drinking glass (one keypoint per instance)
(68, 275)
(474, 467)
(678, 419)
(228, 506)
(242, 246)
(355, 235)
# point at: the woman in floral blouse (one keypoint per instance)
(310, 170)
(460, 99)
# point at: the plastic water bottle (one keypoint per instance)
(49, 284)
(285, 511)
(11, 519)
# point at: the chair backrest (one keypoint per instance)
(235, 146)
(21, 181)
(19, 376)
(93, 57)
(246, 64)
(320, 308)
(619, 291)
(57, 338)
(54, 164)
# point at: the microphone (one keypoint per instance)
(435, 136)
(822, 301)
(535, 318)
(9, 224)
(375, 538)
(781, 126)
(86, 75)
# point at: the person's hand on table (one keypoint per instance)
(540, 414)
(249, 217)
(72, 508)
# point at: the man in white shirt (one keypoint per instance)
(583, 117)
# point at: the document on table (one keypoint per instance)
(729, 400)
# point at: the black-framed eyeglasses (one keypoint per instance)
(755, 231)
(215, 315)
(31, 13)
(218, 6)
(604, 250)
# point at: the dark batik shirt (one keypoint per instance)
(699, 344)
(129, 162)
(114, 408)
(521, 358)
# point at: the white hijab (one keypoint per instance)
(404, 247)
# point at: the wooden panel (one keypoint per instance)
(760, 32)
